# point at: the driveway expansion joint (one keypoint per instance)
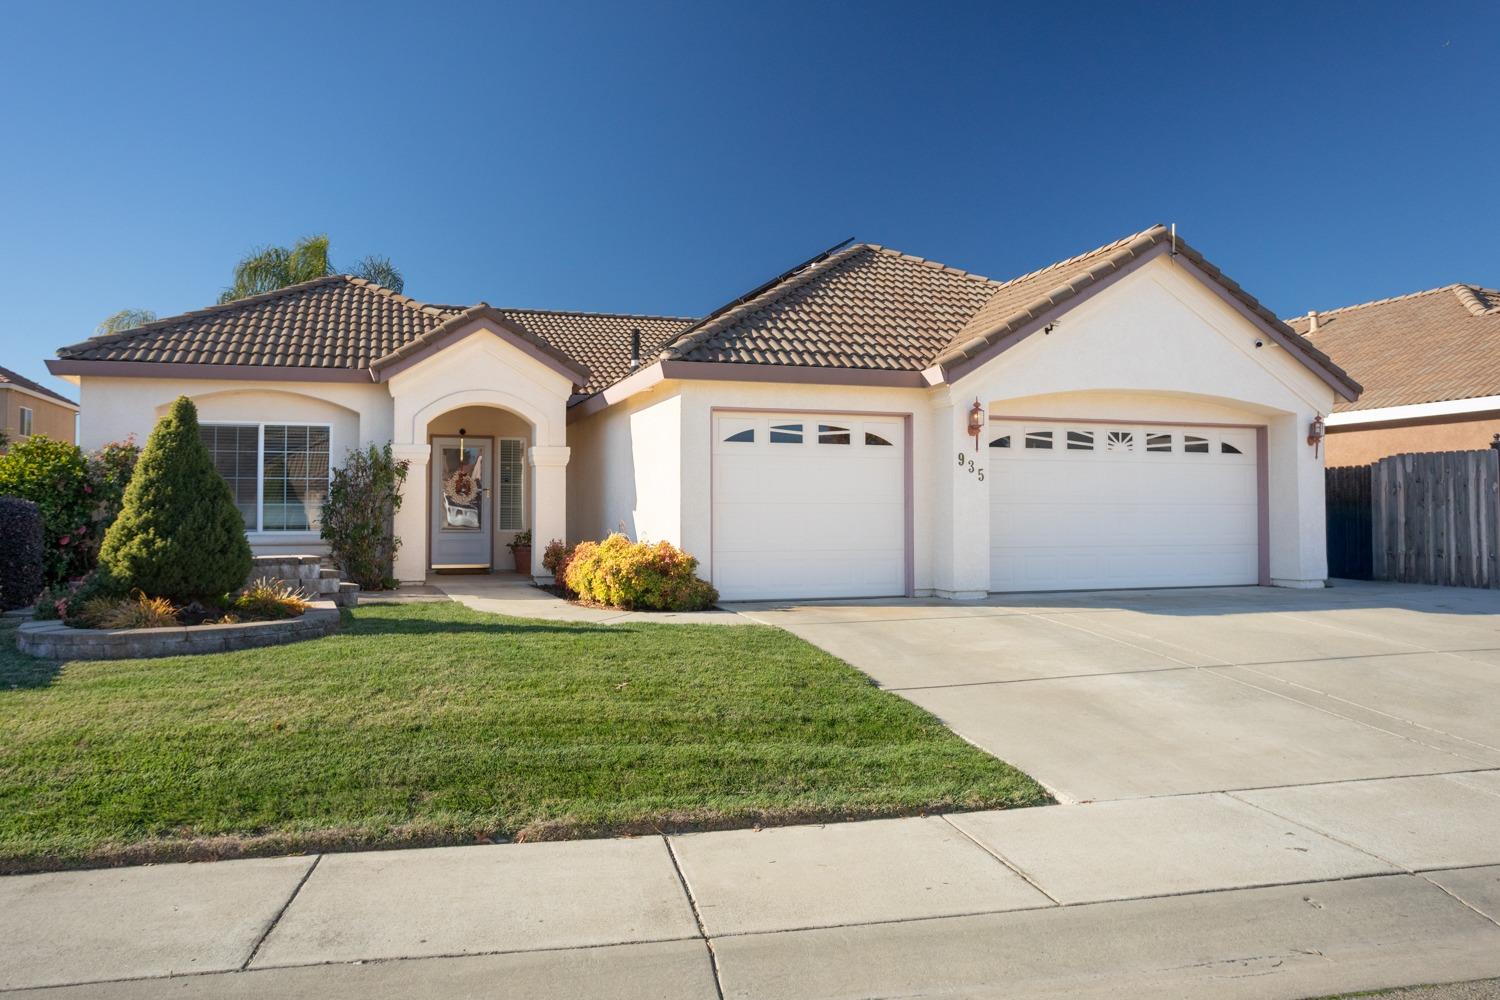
(1001, 859)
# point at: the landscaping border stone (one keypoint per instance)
(53, 640)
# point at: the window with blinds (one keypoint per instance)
(508, 495)
(278, 473)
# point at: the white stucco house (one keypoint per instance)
(867, 424)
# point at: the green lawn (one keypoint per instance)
(430, 724)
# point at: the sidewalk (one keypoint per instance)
(1204, 894)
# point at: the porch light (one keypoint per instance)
(976, 422)
(1315, 432)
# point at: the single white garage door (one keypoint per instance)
(1085, 506)
(808, 505)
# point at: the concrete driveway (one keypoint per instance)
(1129, 694)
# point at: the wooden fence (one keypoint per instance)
(1428, 518)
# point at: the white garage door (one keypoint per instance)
(808, 506)
(1082, 506)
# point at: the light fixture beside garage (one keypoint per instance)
(1315, 432)
(976, 421)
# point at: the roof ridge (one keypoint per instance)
(1380, 302)
(1469, 296)
(777, 291)
(588, 312)
(390, 293)
(256, 299)
(892, 252)
(1115, 245)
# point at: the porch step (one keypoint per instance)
(311, 574)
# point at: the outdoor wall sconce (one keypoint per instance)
(1315, 433)
(976, 422)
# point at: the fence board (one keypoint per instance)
(1417, 518)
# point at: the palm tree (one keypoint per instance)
(125, 319)
(272, 267)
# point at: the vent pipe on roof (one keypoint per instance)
(635, 347)
(1312, 321)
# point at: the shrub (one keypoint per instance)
(555, 559)
(21, 542)
(267, 599)
(135, 611)
(638, 576)
(109, 472)
(179, 535)
(54, 476)
(363, 497)
(84, 598)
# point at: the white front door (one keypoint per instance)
(462, 503)
(808, 505)
(1092, 506)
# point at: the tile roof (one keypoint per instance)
(1425, 347)
(8, 377)
(599, 340)
(863, 307)
(873, 308)
(349, 323)
(334, 322)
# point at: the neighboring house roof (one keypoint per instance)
(1426, 347)
(861, 308)
(10, 378)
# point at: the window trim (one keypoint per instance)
(260, 471)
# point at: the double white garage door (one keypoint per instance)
(815, 505)
(1083, 506)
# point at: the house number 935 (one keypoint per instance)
(967, 464)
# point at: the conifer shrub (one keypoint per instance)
(179, 534)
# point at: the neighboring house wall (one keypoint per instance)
(47, 417)
(1353, 445)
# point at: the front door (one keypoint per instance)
(462, 503)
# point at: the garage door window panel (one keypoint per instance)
(786, 433)
(832, 434)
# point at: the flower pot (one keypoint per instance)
(523, 558)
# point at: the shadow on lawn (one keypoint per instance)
(18, 671)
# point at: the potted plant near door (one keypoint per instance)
(520, 547)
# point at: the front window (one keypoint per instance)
(277, 473)
(25, 421)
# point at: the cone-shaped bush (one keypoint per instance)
(178, 535)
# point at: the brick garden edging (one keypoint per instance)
(53, 640)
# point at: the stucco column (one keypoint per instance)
(961, 529)
(1298, 518)
(411, 519)
(549, 484)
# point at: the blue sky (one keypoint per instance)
(665, 158)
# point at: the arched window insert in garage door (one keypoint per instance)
(809, 503)
(1137, 443)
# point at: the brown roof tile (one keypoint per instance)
(599, 340)
(8, 377)
(1425, 347)
(334, 322)
(864, 307)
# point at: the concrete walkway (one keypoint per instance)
(511, 594)
(1206, 894)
